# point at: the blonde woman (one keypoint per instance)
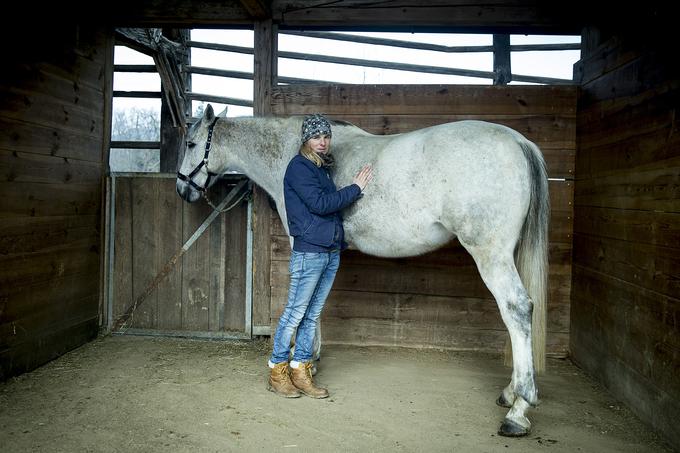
(313, 206)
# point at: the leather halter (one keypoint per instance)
(204, 162)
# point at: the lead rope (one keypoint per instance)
(244, 196)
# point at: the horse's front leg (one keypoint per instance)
(502, 279)
(316, 347)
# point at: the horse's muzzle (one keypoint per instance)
(186, 192)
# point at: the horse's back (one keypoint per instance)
(467, 178)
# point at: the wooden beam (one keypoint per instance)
(265, 73)
(257, 9)
(501, 60)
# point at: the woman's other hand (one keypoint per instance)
(364, 176)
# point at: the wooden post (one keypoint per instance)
(501, 60)
(171, 138)
(264, 76)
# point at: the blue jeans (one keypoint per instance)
(311, 278)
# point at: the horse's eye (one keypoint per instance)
(191, 144)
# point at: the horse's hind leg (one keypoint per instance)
(500, 276)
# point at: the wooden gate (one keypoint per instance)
(207, 293)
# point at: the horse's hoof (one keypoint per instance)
(502, 402)
(512, 429)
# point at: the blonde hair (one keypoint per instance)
(307, 152)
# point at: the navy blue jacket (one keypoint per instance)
(313, 206)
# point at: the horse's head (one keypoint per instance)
(196, 172)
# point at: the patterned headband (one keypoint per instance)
(315, 125)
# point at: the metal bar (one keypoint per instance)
(249, 271)
(218, 335)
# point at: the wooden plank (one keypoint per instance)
(647, 227)
(607, 57)
(265, 73)
(123, 295)
(467, 312)
(20, 301)
(146, 261)
(265, 65)
(656, 268)
(395, 276)
(43, 109)
(26, 80)
(376, 332)
(196, 269)
(45, 347)
(639, 133)
(40, 234)
(649, 70)
(59, 314)
(262, 213)
(641, 330)
(464, 16)
(24, 137)
(36, 267)
(645, 189)
(339, 99)
(77, 75)
(39, 200)
(168, 242)
(235, 268)
(36, 168)
(547, 131)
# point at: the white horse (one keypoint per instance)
(484, 183)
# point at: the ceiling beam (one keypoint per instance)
(258, 9)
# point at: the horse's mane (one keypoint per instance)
(341, 123)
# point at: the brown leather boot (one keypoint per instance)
(279, 381)
(302, 379)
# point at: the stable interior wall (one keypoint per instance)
(625, 307)
(438, 299)
(55, 92)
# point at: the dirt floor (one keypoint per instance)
(142, 394)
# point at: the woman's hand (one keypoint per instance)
(364, 177)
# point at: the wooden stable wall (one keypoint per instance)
(53, 117)
(436, 300)
(204, 294)
(626, 292)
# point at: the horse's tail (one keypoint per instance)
(532, 249)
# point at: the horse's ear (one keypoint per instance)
(224, 112)
(208, 115)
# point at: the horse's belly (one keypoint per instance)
(393, 239)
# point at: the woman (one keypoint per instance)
(313, 206)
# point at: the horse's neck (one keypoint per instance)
(261, 148)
